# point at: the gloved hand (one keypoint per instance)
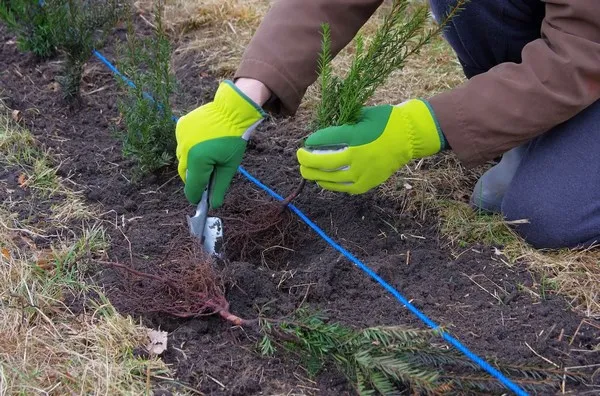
(356, 158)
(213, 138)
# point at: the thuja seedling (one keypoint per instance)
(149, 136)
(401, 35)
(84, 27)
(73, 28)
(35, 23)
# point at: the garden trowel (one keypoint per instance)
(209, 230)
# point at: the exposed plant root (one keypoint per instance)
(187, 287)
(266, 230)
(293, 195)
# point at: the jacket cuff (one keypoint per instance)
(286, 98)
(449, 112)
(444, 142)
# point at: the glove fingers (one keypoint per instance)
(324, 159)
(182, 168)
(338, 187)
(223, 177)
(342, 176)
(332, 137)
(199, 169)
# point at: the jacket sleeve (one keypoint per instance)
(558, 77)
(283, 52)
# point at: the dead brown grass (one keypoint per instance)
(574, 274)
(221, 29)
(52, 341)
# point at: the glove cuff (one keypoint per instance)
(238, 108)
(444, 141)
(427, 138)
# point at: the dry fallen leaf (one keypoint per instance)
(6, 253)
(46, 264)
(46, 260)
(22, 180)
(17, 116)
(158, 342)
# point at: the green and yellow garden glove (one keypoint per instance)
(356, 158)
(213, 138)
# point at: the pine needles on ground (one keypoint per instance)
(401, 35)
(150, 131)
(394, 360)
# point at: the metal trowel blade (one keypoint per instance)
(213, 236)
(209, 230)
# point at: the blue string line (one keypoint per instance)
(128, 81)
(453, 341)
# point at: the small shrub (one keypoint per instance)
(35, 24)
(150, 131)
(84, 28)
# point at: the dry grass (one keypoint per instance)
(421, 185)
(574, 274)
(437, 186)
(221, 29)
(52, 341)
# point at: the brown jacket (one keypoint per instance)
(482, 118)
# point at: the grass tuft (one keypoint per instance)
(221, 29)
(464, 226)
(573, 273)
(55, 339)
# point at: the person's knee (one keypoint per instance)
(543, 226)
(486, 33)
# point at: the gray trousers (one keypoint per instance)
(556, 187)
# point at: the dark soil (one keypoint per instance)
(475, 296)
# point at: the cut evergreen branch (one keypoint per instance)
(391, 360)
(149, 136)
(402, 34)
(35, 24)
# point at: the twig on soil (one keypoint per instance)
(184, 386)
(494, 295)
(541, 357)
(29, 232)
(216, 381)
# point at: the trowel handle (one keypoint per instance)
(202, 208)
